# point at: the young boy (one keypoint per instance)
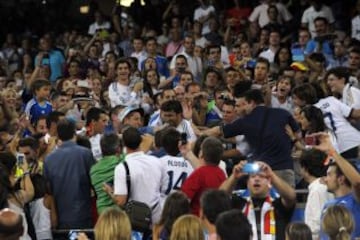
(39, 105)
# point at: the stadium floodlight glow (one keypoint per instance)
(84, 9)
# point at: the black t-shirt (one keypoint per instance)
(282, 214)
(274, 146)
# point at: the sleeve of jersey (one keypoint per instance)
(191, 185)
(233, 129)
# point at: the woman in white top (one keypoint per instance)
(120, 91)
(16, 199)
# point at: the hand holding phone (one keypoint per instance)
(310, 141)
(20, 159)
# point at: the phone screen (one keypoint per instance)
(20, 157)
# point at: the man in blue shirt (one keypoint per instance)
(66, 170)
(343, 180)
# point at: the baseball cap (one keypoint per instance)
(298, 66)
(127, 110)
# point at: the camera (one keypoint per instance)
(251, 168)
(183, 138)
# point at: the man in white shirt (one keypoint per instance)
(203, 13)
(274, 45)
(99, 24)
(172, 114)
(177, 168)
(313, 170)
(139, 53)
(96, 121)
(194, 63)
(260, 17)
(147, 176)
(317, 9)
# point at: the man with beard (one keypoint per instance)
(172, 114)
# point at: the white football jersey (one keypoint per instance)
(178, 169)
(335, 114)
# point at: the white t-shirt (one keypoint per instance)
(194, 63)
(122, 95)
(335, 114)
(268, 54)
(355, 27)
(95, 26)
(185, 127)
(287, 105)
(316, 199)
(242, 145)
(178, 169)
(351, 96)
(201, 12)
(148, 178)
(260, 14)
(310, 14)
(95, 146)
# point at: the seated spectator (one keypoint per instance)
(298, 231)
(338, 223)
(187, 227)
(11, 225)
(175, 206)
(212, 204)
(232, 224)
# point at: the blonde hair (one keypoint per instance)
(338, 223)
(113, 223)
(187, 227)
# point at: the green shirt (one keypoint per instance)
(103, 172)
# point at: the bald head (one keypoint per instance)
(11, 227)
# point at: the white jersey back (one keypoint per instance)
(335, 114)
(178, 169)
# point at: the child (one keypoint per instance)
(42, 209)
(39, 105)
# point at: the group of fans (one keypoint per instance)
(222, 110)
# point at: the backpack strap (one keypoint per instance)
(128, 182)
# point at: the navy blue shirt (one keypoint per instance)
(275, 147)
(67, 171)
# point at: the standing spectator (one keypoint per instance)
(312, 170)
(274, 45)
(96, 121)
(208, 176)
(195, 63)
(355, 23)
(120, 91)
(322, 42)
(39, 105)
(203, 13)
(103, 171)
(67, 172)
(172, 114)
(177, 167)
(99, 23)
(267, 213)
(175, 45)
(145, 187)
(139, 52)
(266, 124)
(161, 62)
(317, 9)
(51, 57)
(343, 180)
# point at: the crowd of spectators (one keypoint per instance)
(219, 117)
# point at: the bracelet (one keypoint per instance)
(26, 173)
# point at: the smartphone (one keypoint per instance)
(297, 54)
(20, 158)
(47, 138)
(73, 234)
(251, 168)
(310, 141)
(183, 138)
